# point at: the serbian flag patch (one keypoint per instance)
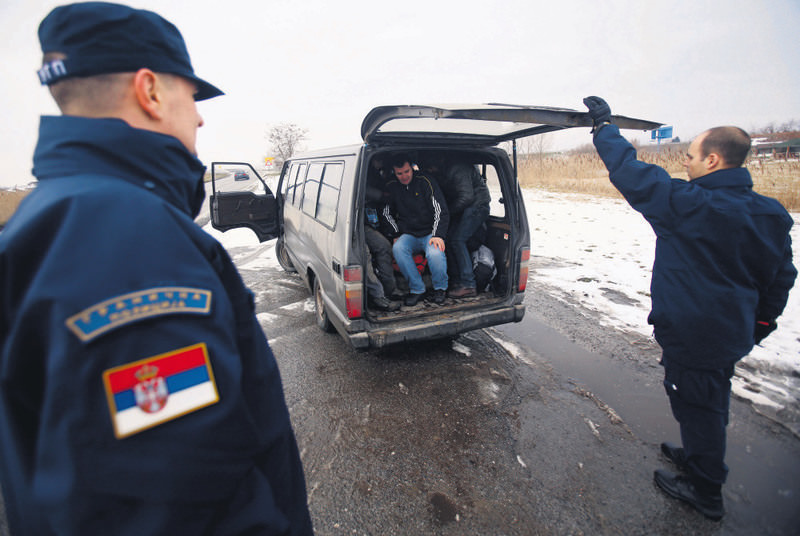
(155, 390)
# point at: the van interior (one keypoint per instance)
(494, 280)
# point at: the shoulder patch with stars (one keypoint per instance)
(115, 312)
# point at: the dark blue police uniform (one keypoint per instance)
(723, 260)
(138, 394)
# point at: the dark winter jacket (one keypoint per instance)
(418, 208)
(138, 394)
(463, 187)
(376, 199)
(723, 255)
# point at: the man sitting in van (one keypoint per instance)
(418, 216)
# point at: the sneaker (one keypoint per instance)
(681, 487)
(412, 299)
(462, 292)
(675, 454)
(438, 297)
(382, 304)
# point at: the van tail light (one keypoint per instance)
(353, 291)
(524, 258)
(352, 273)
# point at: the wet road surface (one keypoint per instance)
(522, 429)
(762, 487)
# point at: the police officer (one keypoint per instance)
(138, 394)
(722, 273)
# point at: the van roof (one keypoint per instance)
(343, 150)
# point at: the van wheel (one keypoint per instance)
(320, 314)
(283, 256)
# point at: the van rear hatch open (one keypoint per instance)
(482, 124)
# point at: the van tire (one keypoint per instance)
(283, 256)
(320, 315)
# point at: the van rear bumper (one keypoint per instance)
(428, 328)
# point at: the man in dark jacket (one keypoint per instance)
(468, 203)
(382, 294)
(722, 273)
(138, 394)
(418, 216)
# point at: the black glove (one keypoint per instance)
(763, 328)
(598, 110)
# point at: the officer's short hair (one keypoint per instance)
(102, 91)
(731, 143)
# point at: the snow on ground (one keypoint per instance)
(599, 252)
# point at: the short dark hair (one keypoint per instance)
(101, 93)
(731, 143)
(400, 159)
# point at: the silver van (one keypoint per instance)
(316, 213)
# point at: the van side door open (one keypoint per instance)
(241, 198)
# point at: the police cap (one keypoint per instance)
(100, 37)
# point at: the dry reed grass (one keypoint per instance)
(9, 200)
(585, 173)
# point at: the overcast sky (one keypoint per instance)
(324, 64)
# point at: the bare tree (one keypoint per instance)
(541, 145)
(285, 139)
(530, 148)
(789, 126)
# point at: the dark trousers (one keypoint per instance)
(381, 250)
(462, 227)
(700, 400)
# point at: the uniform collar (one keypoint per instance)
(725, 178)
(70, 145)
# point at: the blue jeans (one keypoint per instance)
(460, 232)
(405, 248)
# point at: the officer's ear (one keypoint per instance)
(148, 90)
(714, 161)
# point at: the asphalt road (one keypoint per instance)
(500, 431)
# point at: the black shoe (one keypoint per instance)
(396, 295)
(438, 297)
(681, 487)
(675, 454)
(412, 299)
(382, 304)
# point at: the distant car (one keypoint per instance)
(241, 176)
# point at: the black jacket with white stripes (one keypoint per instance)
(418, 208)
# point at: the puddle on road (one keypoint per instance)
(763, 485)
(642, 404)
